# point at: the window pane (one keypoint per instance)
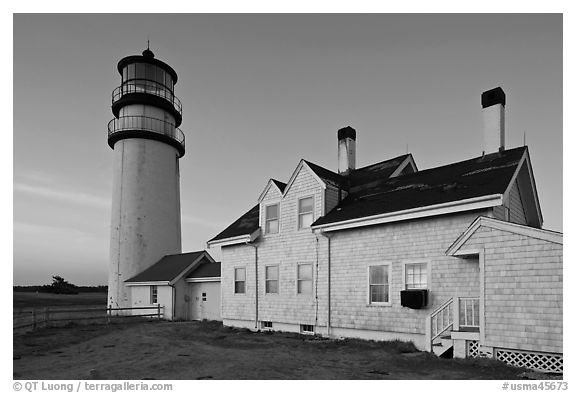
(150, 72)
(239, 287)
(271, 272)
(168, 81)
(272, 286)
(378, 293)
(140, 71)
(272, 226)
(304, 272)
(416, 276)
(305, 205)
(305, 287)
(271, 212)
(124, 73)
(240, 274)
(378, 274)
(131, 72)
(305, 220)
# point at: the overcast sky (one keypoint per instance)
(260, 92)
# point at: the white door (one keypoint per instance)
(205, 301)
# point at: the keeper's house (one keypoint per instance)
(452, 258)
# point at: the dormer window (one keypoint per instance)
(272, 221)
(305, 212)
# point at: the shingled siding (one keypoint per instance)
(286, 249)
(238, 306)
(517, 214)
(523, 290)
(513, 208)
(422, 240)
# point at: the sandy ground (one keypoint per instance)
(207, 350)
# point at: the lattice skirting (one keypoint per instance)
(472, 348)
(547, 362)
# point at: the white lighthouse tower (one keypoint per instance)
(147, 145)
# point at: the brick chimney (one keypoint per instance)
(493, 103)
(346, 150)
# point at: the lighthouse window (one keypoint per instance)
(131, 71)
(150, 72)
(168, 82)
(140, 71)
(124, 74)
(159, 75)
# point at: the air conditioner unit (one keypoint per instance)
(414, 298)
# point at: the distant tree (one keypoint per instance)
(59, 285)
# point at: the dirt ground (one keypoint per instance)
(208, 350)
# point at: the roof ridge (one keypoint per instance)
(423, 171)
(380, 162)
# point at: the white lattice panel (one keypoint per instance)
(472, 348)
(535, 361)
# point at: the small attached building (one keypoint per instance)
(166, 284)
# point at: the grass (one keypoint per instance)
(209, 350)
(40, 299)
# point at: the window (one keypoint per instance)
(416, 275)
(266, 325)
(307, 329)
(240, 280)
(305, 212)
(271, 279)
(153, 294)
(305, 279)
(379, 292)
(272, 221)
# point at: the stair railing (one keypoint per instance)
(440, 321)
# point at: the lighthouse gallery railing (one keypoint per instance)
(147, 124)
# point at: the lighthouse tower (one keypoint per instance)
(147, 145)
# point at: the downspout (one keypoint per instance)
(328, 237)
(173, 301)
(256, 269)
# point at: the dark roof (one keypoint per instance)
(167, 268)
(375, 172)
(279, 184)
(327, 175)
(206, 270)
(481, 176)
(245, 225)
(250, 221)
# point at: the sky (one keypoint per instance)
(260, 92)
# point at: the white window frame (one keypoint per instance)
(305, 329)
(311, 279)
(234, 280)
(266, 233)
(266, 279)
(153, 294)
(300, 214)
(369, 301)
(417, 262)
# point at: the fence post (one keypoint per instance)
(109, 314)
(158, 311)
(46, 316)
(34, 318)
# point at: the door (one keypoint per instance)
(205, 301)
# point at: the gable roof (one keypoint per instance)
(245, 226)
(206, 270)
(170, 267)
(281, 186)
(249, 223)
(272, 182)
(484, 176)
(537, 233)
